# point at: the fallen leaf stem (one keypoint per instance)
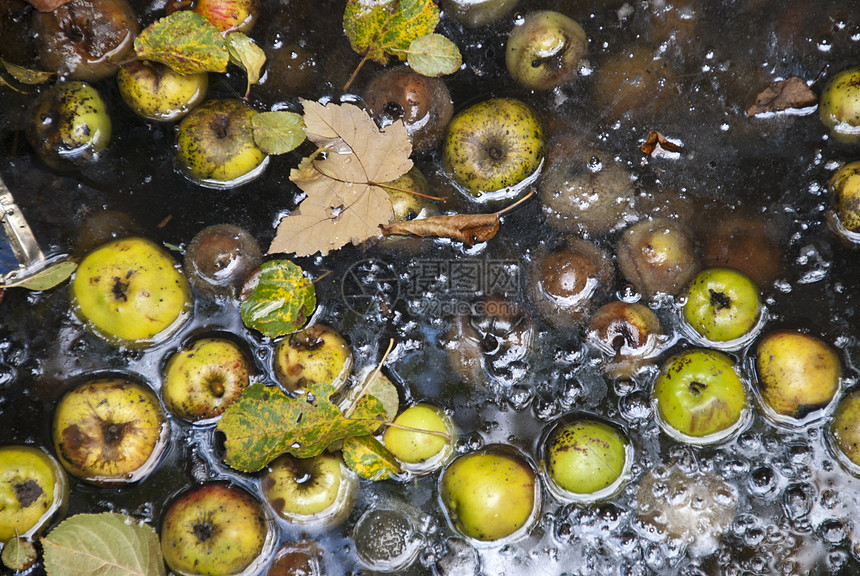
(355, 73)
(517, 203)
(407, 191)
(367, 381)
(447, 437)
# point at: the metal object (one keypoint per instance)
(17, 240)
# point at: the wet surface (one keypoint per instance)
(772, 499)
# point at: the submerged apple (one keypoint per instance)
(154, 91)
(204, 378)
(215, 145)
(109, 431)
(318, 491)
(313, 354)
(700, 397)
(419, 451)
(490, 494)
(129, 291)
(33, 490)
(215, 530)
(723, 305)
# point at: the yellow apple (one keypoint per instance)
(33, 488)
(314, 354)
(154, 91)
(130, 291)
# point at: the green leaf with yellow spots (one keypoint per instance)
(185, 41)
(264, 422)
(278, 299)
(378, 29)
(370, 459)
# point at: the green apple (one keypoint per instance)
(318, 491)
(215, 145)
(154, 91)
(699, 396)
(203, 379)
(130, 292)
(839, 106)
(844, 430)
(215, 530)
(797, 373)
(545, 50)
(412, 447)
(493, 146)
(33, 490)
(657, 255)
(722, 305)
(109, 431)
(230, 15)
(70, 125)
(490, 494)
(313, 354)
(845, 212)
(586, 459)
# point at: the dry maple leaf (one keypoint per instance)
(344, 202)
(783, 95)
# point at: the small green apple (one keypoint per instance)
(586, 459)
(154, 91)
(699, 396)
(722, 305)
(493, 146)
(546, 50)
(844, 430)
(797, 373)
(33, 490)
(109, 431)
(839, 106)
(310, 491)
(490, 494)
(215, 530)
(313, 354)
(411, 446)
(70, 125)
(129, 291)
(203, 379)
(215, 145)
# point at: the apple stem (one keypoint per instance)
(697, 388)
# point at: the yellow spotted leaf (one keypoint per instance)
(185, 41)
(265, 422)
(380, 28)
(370, 459)
(278, 299)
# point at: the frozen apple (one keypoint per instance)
(406, 441)
(215, 530)
(585, 460)
(798, 374)
(131, 292)
(700, 397)
(318, 491)
(204, 378)
(109, 431)
(490, 494)
(33, 490)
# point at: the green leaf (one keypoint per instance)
(247, 56)
(264, 422)
(19, 554)
(379, 28)
(281, 300)
(185, 41)
(370, 459)
(25, 75)
(46, 278)
(434, 55)
(102, 545)
(278, 132)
